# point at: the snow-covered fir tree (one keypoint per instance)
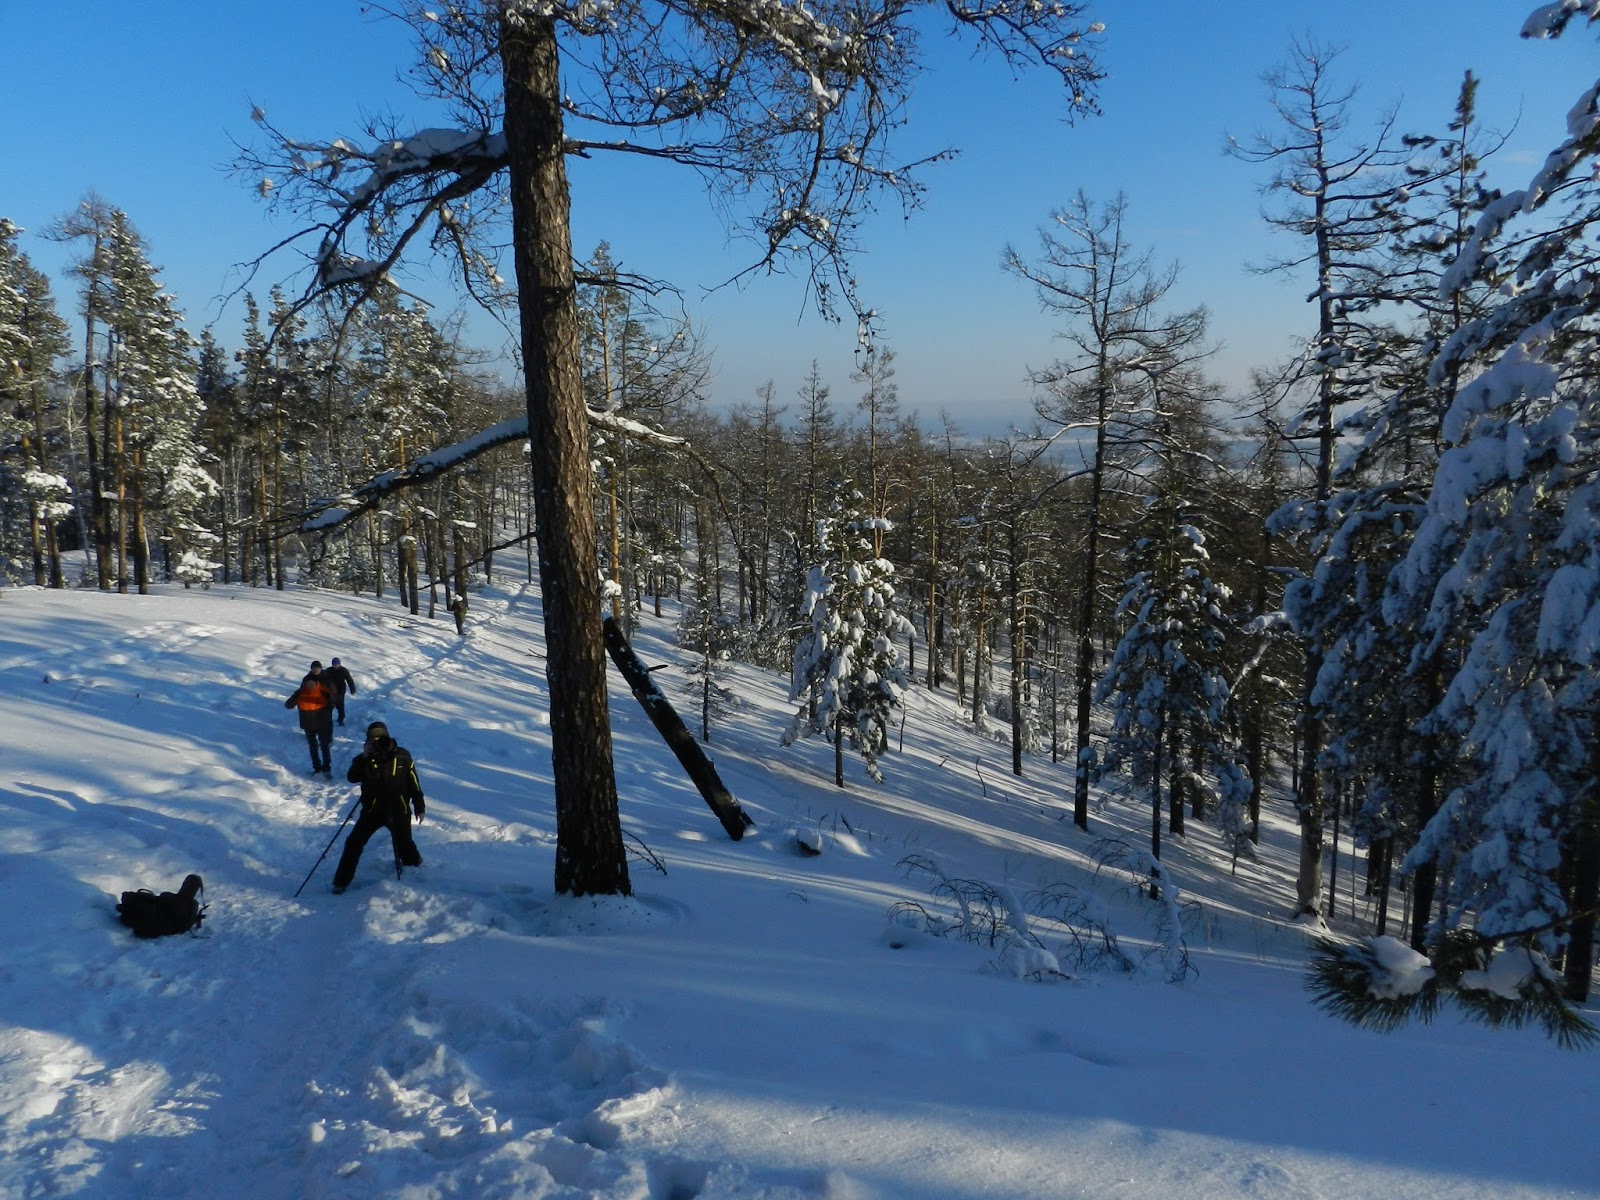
(1507, 558)
(32, 338)
(160, 464)
(1505, 561)
(1164, 684)
(1377, 683)
(847, 670)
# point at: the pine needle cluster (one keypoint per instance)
(1359, 983)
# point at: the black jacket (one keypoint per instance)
(340, 678)
(388, 780)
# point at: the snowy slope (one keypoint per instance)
(744, 1027)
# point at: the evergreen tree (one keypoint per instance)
(1164, 684)
(32, 338)
(1376, 683)
(1506, 558)
(160, 470)
(847, 669)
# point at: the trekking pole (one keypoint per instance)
(326, 848)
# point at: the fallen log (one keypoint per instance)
(701, 770)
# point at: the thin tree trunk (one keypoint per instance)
(1378, 860)
(838, 751)
(1583, 853)
(1175, 790)
(1086, 618)
(1424, 880)
(933, 595)
(1019, 665)
(122, 497)
(141, 541)
(99, 516)
(1155, 796)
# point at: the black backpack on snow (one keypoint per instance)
(150, 915)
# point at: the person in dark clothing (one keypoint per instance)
(314, 699)
(390, 796)
(339, 677)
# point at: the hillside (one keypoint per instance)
(751, 1024)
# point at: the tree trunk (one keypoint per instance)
(1176, 781)
(1155, 799)
(141, 538)
(1425, 879)
(978, 645)
(1019, 662)
(590, 855)
(1308, 799)
(838, 751)
(1583, 854)
(99, 515)
(1255, 766)
(1378, 875)
(274, 545)
(932, 680)
(1086, 617)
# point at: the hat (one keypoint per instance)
(336, 661)
(377, 729)
(316, 665)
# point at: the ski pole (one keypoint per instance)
(326, 848)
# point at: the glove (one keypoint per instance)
(418, 808)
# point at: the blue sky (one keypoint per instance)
(144, 104)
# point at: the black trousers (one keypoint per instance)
(338, 706)
(397, 818)
(320, 740)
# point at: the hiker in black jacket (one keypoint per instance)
(390, 796)
(314, 699)
(340, 680)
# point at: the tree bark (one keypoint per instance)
(590, 856)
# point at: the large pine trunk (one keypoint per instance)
(590, 856)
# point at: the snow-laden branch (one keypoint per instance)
(329, 514)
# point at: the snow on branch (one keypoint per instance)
(329, 514)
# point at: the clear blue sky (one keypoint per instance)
(143, 103)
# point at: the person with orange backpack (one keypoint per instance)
(314, 699)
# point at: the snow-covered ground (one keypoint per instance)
(749, 1025)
